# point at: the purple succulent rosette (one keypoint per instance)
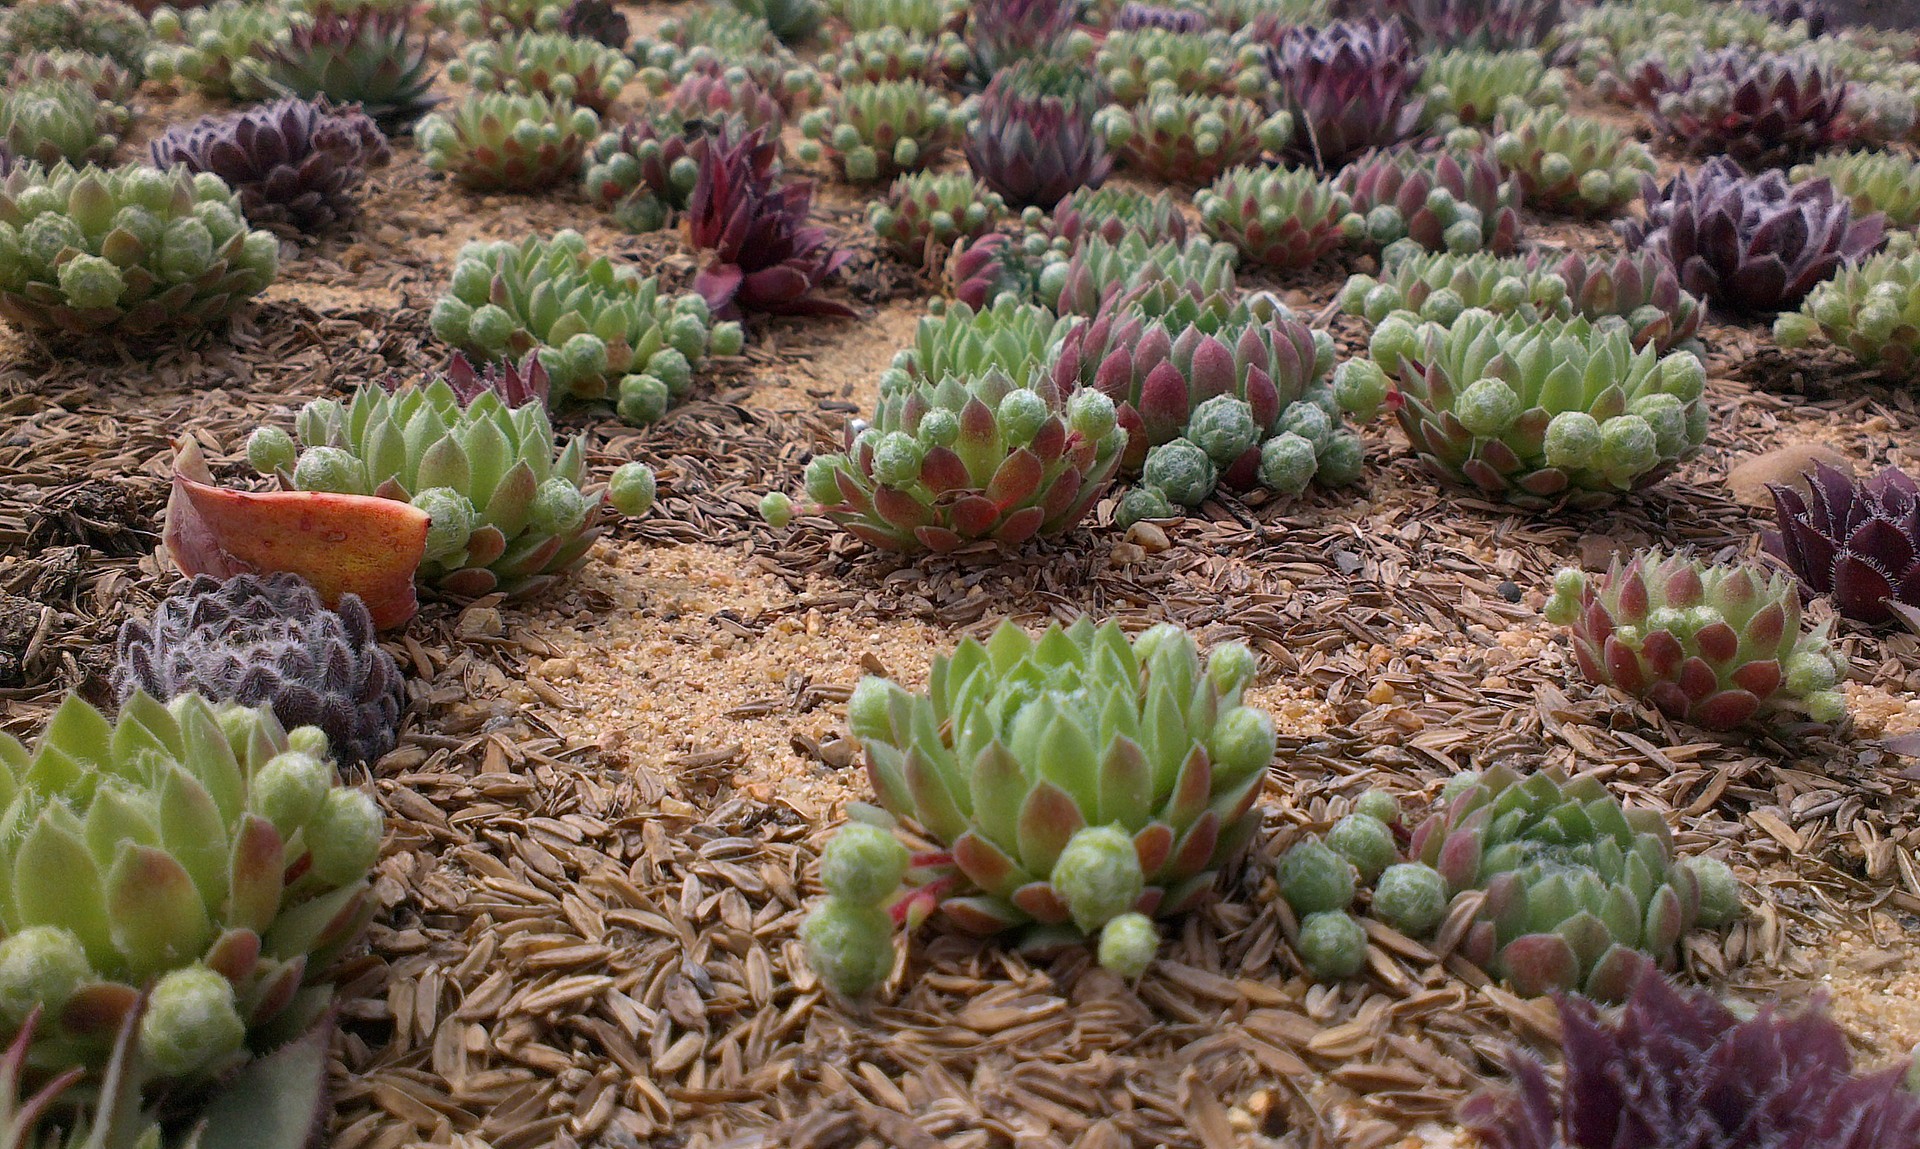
(294, 163)
(761, 254)
(1857, 542)
(1349, 87)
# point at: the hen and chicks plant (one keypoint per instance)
(1572, 164)
(364, 55)
(1347, 87)
(1031, 137)
(929, 210)
(1191, 140)
(559, 67)
(1076, 785)
(1277, 218)
(508, 141)
(1869, 309)
(1457, 200)
(1855, 541)
(759, 250)
(874, 132)
(294, 164)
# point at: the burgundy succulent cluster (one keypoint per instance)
(1752, 244)
(1031, 136)
(761, 254)
(1134, 16)
(1764, 109)
(293, 163)
(1679, 1070)
(1001, 32)
(1349, 86)
(1856, 542)
(517, 384)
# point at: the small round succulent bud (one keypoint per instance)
(1333, 945)
(309, 740)
(1627, 446)
(1683, 376)
(1090, 414)
(1383, 300)
(671, 366)
(1341, 459)
(643, 399)
(40, 966)
(849, 946)
(1808, 672)
(1668, 418)
(1021, 414)
(1487, 407)
(1462, 782)
(491, 326)
(344, 836)
(1365, 841)
(558, 508)
(726, 338)
(776, 509)
(1412, 898)
(89, 281)
(1242, 742)
(270, 449)
(1142, 503)
(331, 469)
(1309, 421)
(1380, 805)
(1181, 471)
(1287, 463)
(1463, 237)
(897, 459)
(863, 864)
(1098, 875)
(451, 520)
(1313, 878)
(1231, 665)
(1128, 944)
(1394, 339)
(1573, 438)
(1223, 427)
(289, 789)
(823, 487)
(1385, 224)
(870, 709)
(191, 1021)
(1719, 890)
(631, 489)
(1445, 305)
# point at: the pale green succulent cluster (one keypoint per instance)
(1437, 286)
(1537, 411)
(51, 121)
(1277, 218)
(202, 855)
(126, 251)
(1132, 63)
(559, 67)
(477, 18)
(1882, 181)
(1188, 139)
(954, 339)
(887, 53)
(1078, 784)
(208, 48)
(915, 17)
(1570, 163)
(928, 210)
(601, 330)
(1871, 309)
(721, 36)
(507, 141)
(1469, 88)
(1077, 282)
(877, 131)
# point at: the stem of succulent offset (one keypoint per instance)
(926, 899)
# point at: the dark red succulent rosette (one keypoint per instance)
(1349, 87)
(1856, 542)
(1762, 109)
(761, 253)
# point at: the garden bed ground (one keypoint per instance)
(606, 804)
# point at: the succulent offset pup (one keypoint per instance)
(760, 252)
(269, 640)
(1857, 542)
(1717, 646)
(202, 854)
(1074, 785)
(1870, 309)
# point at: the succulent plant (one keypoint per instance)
(1113, 213)
(1871, 309)
(1348, 86)
(1055, 811)
(509, 515)
(965, 460)
(1812, 13)
(646, 171)
(930, 209)
(1717, 646)
(1192, 139)
(1450, 200)
(720, 37)
(1001, 33)
(1463, 87)
(1286, 218)
(130, 251)
(980, 271)
(234, 873)
(1856, 542)
(269, 641)
(1537, 411)
(108, 81)
(476, 19)
(761, 253)
(596, 20)
(1762, 109)
(1603, 44)
(926, 18)
(1030, 136)
(49, 122)
(1438, 286)
(500, 141)
(1639, 287)
(1679, 1068)
(97, 27)
(1081, 283)
(1134, 16)
(1133, 63)
(957, 340)
(1474, 25)
(208, 48)
(1886, 182)
(793, 21)
(1750, 243)
(561, 68)
(294, 164)
(709, 92)
(1572, 164)
(364, 55)
(601, 329)
(877, 131)
(889, 54)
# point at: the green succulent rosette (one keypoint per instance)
(1469, 88)
(1132, 62)
(559, 67)
(209, 48)
(508, 141)
(1871, 310)
(874, 132)
(1883, 181)
(1572, 164)
(1191, 140)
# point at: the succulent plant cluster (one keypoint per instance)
(1871, 309)
(294, 163)
(1876, 181)
(1191, 140)
(601, 330)
(722, 36)
(1457, 200)
(1761, 109)
(956, 340)
(1572, 164)
(1475, 25)
(1855, 541)
(927, 18)
(1538, 411)
(363, 55)
(1472, 88)
(1001, 33)
(1134, 62)
(209, 48)
(559, 67)
(269, 641)
(55, 121)
(1081, 282)
(792, 21)
(887, 53)
(475, 452)
(1113, 213)
(1031, 137)
(874, 132)
(1348, 87)
(646, 171)
(505, 141)
(1078, 784)
(1714, 645)
(1437, 286)
(103, 28)
(1752, 244)
(1277, 218)
(1678, 1067)
(191, 864)
(760, 252)
(1562, 889)
(475, 19)
(101, 75)
(931, 210)
(129, 251)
